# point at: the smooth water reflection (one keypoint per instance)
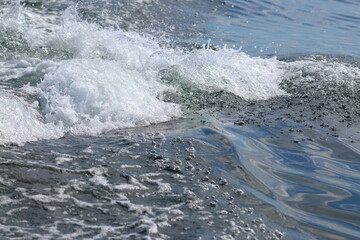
(289, 27)
(307, 179)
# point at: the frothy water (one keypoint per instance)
(99, 96)
(114, 79)
(108, 76)
(21, 122)
(84, 86)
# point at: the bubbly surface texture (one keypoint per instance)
(164, 119)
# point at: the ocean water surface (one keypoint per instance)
(165, 119)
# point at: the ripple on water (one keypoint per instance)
(106, 193)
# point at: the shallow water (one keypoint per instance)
(144, 120)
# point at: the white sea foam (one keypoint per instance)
(6, 200)
(104, 87)
(112, 79)
(230, 70)
(61, 160)
(92, 96)
(10, 70)
(21, 123)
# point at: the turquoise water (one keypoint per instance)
(163, 119)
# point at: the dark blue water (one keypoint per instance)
(163, 119)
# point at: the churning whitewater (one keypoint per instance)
(136, 120)
(86, 79)
(112, 79)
